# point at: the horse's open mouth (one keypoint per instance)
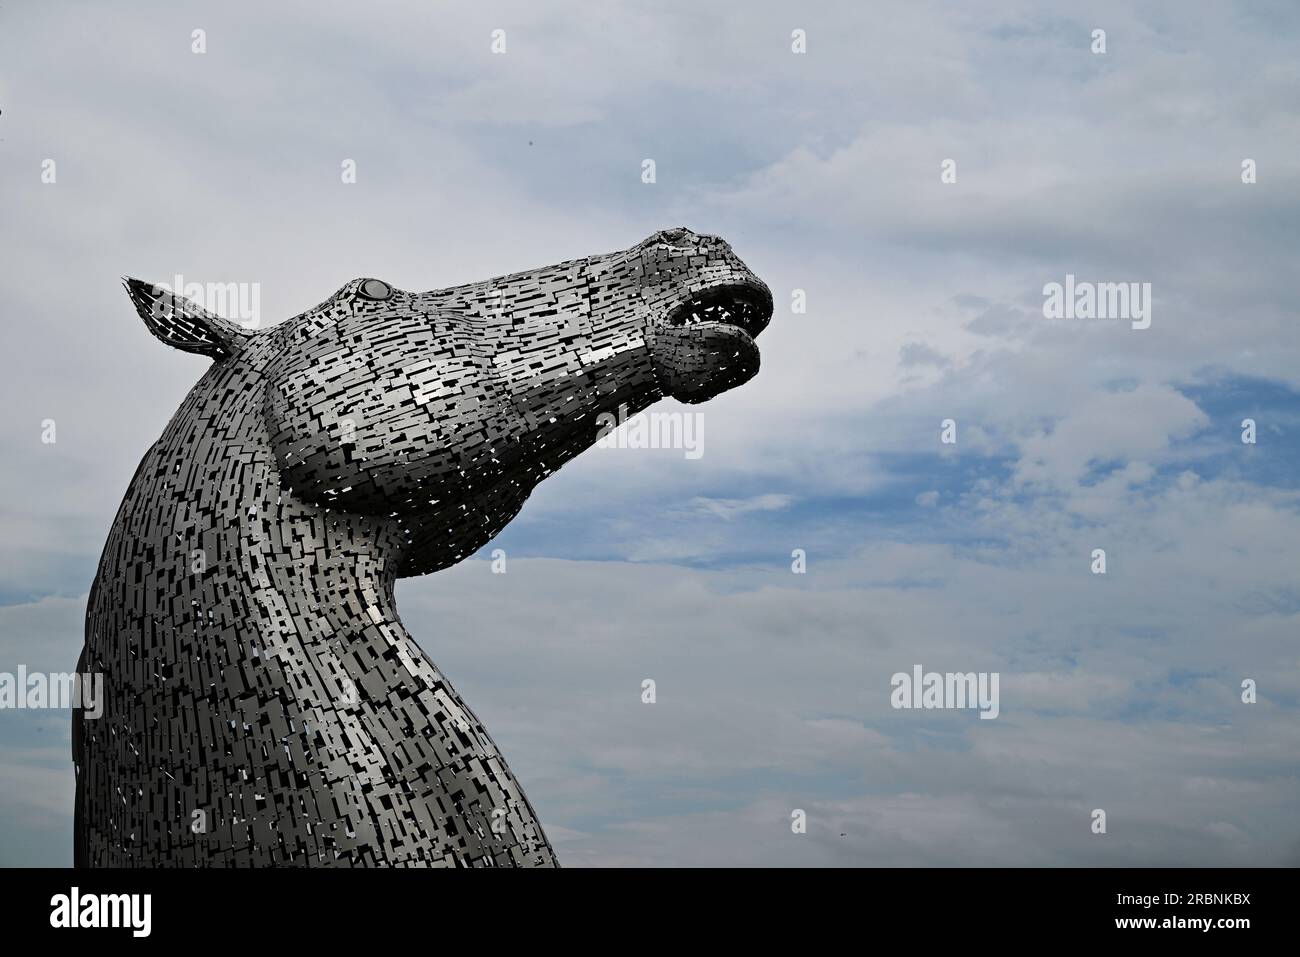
(735, 305)
(706, 344)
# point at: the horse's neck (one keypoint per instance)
(207, 523)
(324, 573)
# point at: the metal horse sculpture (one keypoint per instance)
(262, 702)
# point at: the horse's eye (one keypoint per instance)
(375, 289)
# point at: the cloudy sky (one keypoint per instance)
(924, 302)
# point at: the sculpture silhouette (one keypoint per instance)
(263, 703)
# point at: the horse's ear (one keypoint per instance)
(183, 324)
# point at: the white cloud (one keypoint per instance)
(729, 508)
(1108, 427)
